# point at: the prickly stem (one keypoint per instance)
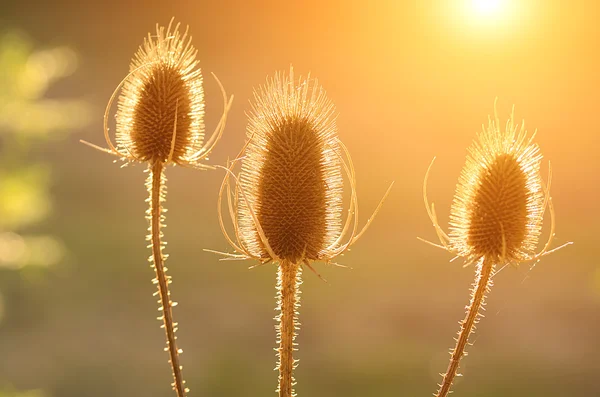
(157, 188)
(482, 285)
(288, 302)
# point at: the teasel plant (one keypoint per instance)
(286, 203)
(495, 218)
(160, 122)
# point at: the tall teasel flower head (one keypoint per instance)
(499, 203)
(296, 191)
(160, 115)
(496, 216)
(160, 121)
(287, 202)
(500, 198)
(161, 109)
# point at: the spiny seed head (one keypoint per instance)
(291, 171)
(163, 95)
(499, 203)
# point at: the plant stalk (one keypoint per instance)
(288, 285)
(481, 286)
(157, 188)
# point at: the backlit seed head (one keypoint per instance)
(499, 202)
(291, 172)
(161, 107)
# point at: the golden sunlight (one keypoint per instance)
(491, 12)
(486, 7)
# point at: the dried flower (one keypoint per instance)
(292, 174)
(163, 96)
(496, 216)
(287, 203)
(160, 120)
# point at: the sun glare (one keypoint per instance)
(486, 7)
(482, 13)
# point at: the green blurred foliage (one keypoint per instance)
(23, 196)
(26, 75)
(13, 393)
(28, 117)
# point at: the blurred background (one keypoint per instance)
(411, 80)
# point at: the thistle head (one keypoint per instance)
(291, 172)
(499, 203)
(500, 198)
(160, 115)
(161, 106)
(287, 202)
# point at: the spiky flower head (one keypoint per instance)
(291, 172)
(496, 216)
(499, 203)
(161, 107)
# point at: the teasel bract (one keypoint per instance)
(286, 206)
(160, 121)
(496, 216)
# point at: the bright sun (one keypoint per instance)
(488, 8)
(491, 16)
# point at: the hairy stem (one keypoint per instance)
(157, 189)
(481, 286)
(288, 302)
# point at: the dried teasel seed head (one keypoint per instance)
(291, 172)
(500, 200)
(161, 107)
(496, 216)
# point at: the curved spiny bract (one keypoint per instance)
(496, 216)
